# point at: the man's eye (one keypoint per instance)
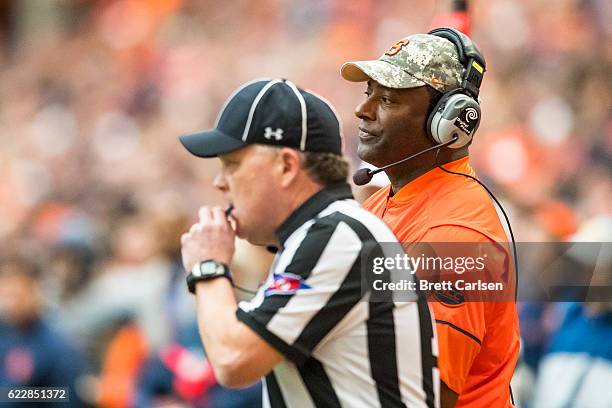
(385, 99)
(229, 167)
(367, 93)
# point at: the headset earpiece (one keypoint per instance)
(455, 115)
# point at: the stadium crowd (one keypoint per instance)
(95, 188)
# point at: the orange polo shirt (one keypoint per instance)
(478, 341)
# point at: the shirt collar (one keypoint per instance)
(311, 207)
(418, 185)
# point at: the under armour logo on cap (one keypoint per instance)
(273, 112)
(276, 134)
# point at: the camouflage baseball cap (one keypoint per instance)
(417, 60)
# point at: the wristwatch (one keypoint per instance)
(207, 270)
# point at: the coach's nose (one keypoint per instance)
(366, 110)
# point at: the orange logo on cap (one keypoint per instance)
(436, 81)
(395, 48)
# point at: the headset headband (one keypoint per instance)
(469, 55)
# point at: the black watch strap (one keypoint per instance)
(192, 278)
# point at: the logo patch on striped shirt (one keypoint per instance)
(285, 284)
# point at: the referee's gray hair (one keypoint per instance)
(325, 168)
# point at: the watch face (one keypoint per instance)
(204, 271)
(210, 268)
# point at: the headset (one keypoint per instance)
(456, 116)
(457, 113)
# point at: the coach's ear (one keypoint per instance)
(291, 165)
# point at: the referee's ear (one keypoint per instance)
(290, 162)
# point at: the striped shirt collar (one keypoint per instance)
(311, 207)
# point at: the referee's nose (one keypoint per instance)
(220, 182)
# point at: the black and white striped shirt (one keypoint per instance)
(342, 351)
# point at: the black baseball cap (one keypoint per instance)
(272, 112)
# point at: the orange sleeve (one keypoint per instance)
(460, 328)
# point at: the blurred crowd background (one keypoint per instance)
(95, 189)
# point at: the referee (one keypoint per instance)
(310, 330)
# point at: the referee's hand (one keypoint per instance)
(211, 238)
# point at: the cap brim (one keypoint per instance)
(210, 143)
(383, 72)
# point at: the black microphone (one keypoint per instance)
(364, 176)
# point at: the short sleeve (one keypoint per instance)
(313, 284)
(460, 332)
(460, 327)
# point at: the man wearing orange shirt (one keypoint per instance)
(414, 79)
